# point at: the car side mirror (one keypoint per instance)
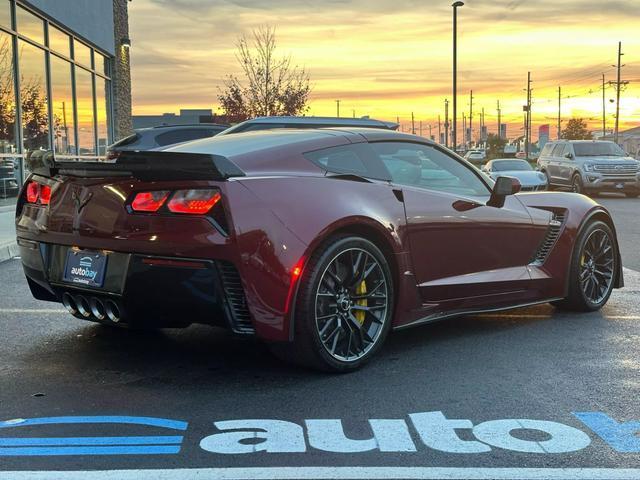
(569, 155)
(504, 186)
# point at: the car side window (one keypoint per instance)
(547, 149)
(427, 167)
(358, 159)
(558, 149)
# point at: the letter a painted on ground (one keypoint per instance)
(248, 436)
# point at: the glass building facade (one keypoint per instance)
(55, 90)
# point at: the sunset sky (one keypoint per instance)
(386, 59)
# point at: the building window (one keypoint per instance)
(59, 41)
(62, 107)
(5, 14)
(64, 89)
(82, 54)
(7, 97)
(84, 112)
(29, 25)
(33, 97)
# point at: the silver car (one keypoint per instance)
(521, 169)
(588, 166)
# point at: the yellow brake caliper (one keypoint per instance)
(361, 290)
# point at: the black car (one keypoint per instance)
(268, 123)
(164, 135)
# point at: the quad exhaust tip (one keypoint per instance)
(95, 307)
(84, 308)
(69, 303)
(112, 310)
(98, 309)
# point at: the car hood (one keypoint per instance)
(525, 177)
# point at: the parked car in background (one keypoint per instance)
(8, 181)
(530, 179)
(269, 123)
(590, 166)
(475, 156)
(521, 155)
(291, 236)
(163, 136)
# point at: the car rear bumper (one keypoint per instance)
(147, 290)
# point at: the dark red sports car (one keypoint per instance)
(316, 241)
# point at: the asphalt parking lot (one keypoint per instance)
(535, 393)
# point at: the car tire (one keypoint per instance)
(335, 332)
(549, 186)
(593, 270)
(576, 184)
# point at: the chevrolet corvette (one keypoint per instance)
(318, 242)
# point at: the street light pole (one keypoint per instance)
(455, 6)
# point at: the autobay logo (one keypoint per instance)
(418, 432)
(85, 269)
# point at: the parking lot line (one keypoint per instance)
(337, 473)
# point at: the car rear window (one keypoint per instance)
(358, 159)
(127, 140)
(184, 135)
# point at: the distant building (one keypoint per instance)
(629, 140)
(543, 136)
(185, 117)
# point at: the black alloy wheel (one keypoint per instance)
(594, 267)
(344, 306)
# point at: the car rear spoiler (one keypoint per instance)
(145, 165)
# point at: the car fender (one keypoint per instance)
(316, 208)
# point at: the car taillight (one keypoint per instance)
(33, 192)
(149, 201)
(195, 202)
(45, 194)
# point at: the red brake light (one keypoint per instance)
(149, 201)
(197, 202)
(45, 194)
(33, 192)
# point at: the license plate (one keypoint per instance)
(85, 268)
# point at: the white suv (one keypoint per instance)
(590, 166)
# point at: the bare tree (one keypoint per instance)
(272, 85)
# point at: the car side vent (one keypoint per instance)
(555, 226)
(234, 293)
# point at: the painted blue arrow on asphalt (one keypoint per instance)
(131, 445)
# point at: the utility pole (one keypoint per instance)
(429, 131)
(439, 130)
(559, 112)
(618, 84)
(482, 139)
(455, 6)
(338, 108)
(413, 125)
(464, 130)
(354, 113)
(604, 109)
(446, 123)
(470, 118)
(499, 124)
(527, 127)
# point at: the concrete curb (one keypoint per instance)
(8, 251)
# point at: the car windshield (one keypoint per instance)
(598, 149)
(510, 165)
